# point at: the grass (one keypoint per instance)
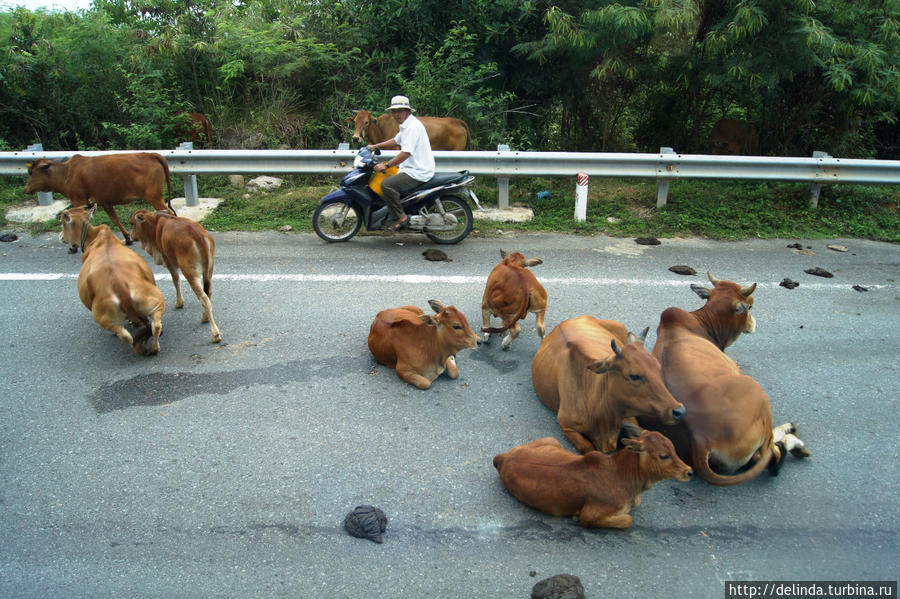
(619, 207)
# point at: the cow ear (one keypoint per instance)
(139, 217)
(630, 430)
(600, 366)
(703, 292)
(502, 254)
(428, 319)
(632, 338)
(436, 305)
(634, 445)
(533, 262)
(45, 166)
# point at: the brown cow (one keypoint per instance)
(115, 284)
(727, 433)
(731, 136)
(181, 243)
(420, 346)
(594, 374)
(105, 180)
(196, 126)
(599, 489)
(511, 293)
(444, 133)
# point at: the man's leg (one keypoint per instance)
(394, 188)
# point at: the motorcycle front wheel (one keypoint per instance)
(336, 221)
(460, 211)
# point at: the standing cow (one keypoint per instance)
(106, 180)
(511, 292)
(731, 136)
(594, 374)
(727, 433)
(181, 243)
(444, 133)
(115, 284)
(419, 346)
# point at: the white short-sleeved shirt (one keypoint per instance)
(413, 138)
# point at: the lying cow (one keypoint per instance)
(181, 243)
(421, 346)
(731, 136)
(727, 433)
(115, 284)
(444, 133)
(511, 293)
(594, 374)
(104, 180)
(599, 489)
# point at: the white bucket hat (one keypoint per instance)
(398, 102)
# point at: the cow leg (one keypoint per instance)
(513, 332)
(541, 326)
(413, 378)
(452, 369)
(581, 443)
(784, 434)
(156, 327)
(598, 516)
(207, 308)
(111, 320)
(176, 280)
(485, 323)
(111, 211)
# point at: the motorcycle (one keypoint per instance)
(437, 208)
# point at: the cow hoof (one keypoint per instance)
(73, 249)
(128, 241)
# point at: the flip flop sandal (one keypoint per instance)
(397, 225)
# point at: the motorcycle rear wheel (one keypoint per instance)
(336, 221)
(459, 208)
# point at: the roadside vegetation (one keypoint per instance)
(617, 207)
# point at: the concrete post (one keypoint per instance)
(581, 194)
(503, 185)
(191, 195)
(815, 188)
(45, 198)
(662, 184)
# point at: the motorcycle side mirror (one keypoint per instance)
(377, 151)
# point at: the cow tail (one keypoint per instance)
(468, 133)
(165, 167)
(701, 466)
(523, 312)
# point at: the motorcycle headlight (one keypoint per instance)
(359, 161)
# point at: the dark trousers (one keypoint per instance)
(394, 188)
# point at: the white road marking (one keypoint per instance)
(437, 279)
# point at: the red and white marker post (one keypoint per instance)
(581, 194)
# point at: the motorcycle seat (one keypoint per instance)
(445, 179)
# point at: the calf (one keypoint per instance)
(421, 346)
(181, 243)
(511, 293)
(106, 180)
(599, 489)
(727, 433)
(594, 374)
(115, 284)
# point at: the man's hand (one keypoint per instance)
(380, 167)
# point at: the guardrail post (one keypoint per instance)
(815, 188)
(503, 185)
(662, 184)
(191, 195)
(45, 198)
(581, 195)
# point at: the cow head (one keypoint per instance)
(361, 120)
(518, 259)
(658, 459)
(143, 225)
(452, 327)
(727, 309)
(76, 222)
(635, 380)
(42, 176)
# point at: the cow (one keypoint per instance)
(597, 488)
(197, 127)
(421, 346)
(731, 136)
(105, 180)
(594, 374)
(444, 133)
(180, 243)
(115, 284)
(511, 292)
(726, 434)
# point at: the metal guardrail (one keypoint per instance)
(664, 166)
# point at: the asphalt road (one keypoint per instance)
(227, 470)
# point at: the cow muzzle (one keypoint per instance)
(678, 413)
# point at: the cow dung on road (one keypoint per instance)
(436, 255)
(788, 283)
(819, 272)
(682, 269)
(7, 237)
(647, 241)
(561, 586)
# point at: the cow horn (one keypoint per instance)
(615, 347)
(712, 279)
(746, 291)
